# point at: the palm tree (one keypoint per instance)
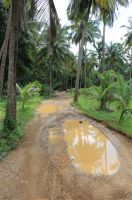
(28, 91)
(128, 43)
(81, 9)
(60, 55)
(92, 33)
(128, 35)
(115, 56)
(104, 92)
(123, 95)
(3, 53)
(11, 90)
(49, 15)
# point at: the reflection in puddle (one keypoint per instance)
(47, 108)
(53, 135)
(90, 151)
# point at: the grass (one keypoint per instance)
(89, 107)
(23, 116)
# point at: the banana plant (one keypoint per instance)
(28, 91)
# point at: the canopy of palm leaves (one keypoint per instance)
(92, 31)
(115, 56)
(61, 53)
(128, 35)
(123, 95)
(77, 9)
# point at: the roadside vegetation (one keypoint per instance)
(36, 60)
(10, 140)
(89, 106)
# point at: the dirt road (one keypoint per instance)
(41, 168)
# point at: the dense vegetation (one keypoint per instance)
(35, 59)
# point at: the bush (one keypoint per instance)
(84, 91)
(4, 148)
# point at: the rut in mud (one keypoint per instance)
(66, 156)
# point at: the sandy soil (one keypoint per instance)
(40, 170)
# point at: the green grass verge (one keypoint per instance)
(89, 107)
(23, 116)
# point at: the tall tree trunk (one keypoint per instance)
(80, 56)
(85, 70)
(11, 91)
(131, 64)
(3, 53)
(71, 81)
(103, 46)
(66, 82)
(50, 81)
(80, 82)
(85, 77)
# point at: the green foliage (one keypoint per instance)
(112, 88)
(28, 91)
(10, 139)
(6, 3)
(128, 35)
(92, 31)
(9, 125)
(103, 93)
(115, 56)
(4, 148)
(45, 91)
(89, 107)
(123, 96)
(84, 91)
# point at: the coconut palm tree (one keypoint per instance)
(46, 11)
(81, 9)
(128, 35)
(59, 54)
(115, 56)
(92, 33)
(128, 43)
(11, 89)
(28, 91)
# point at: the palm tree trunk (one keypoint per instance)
(80, 56)
(66, 82)
(102, 104)
(80, 80)
(71, 81)
(131, 64)
(50, 81)
(11, 91)
(79, 69)
(3, 53)
(85, 71)
(103, 46)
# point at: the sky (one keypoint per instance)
(113, 34)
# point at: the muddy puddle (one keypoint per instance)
(47, 108)
(89, 149)
(53, 135)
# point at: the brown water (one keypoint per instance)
(47, 108)
(89, 149)
(53, 136)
